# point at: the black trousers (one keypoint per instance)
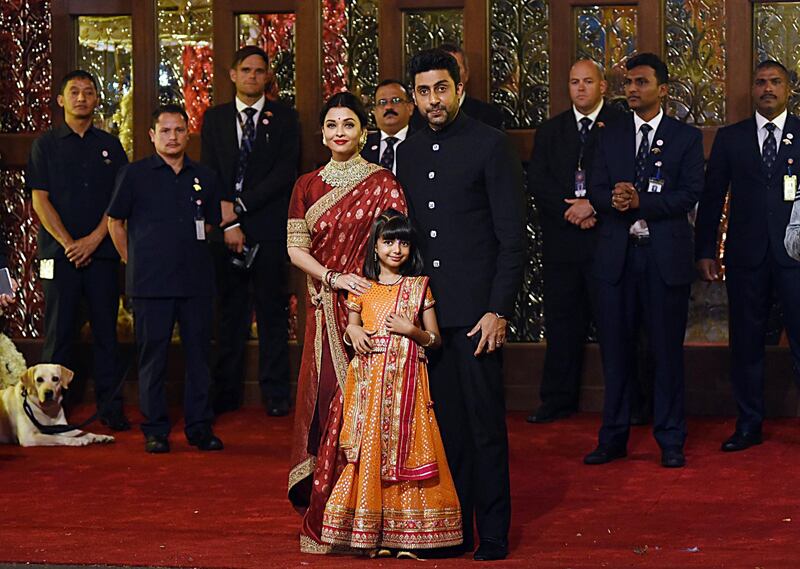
(154, 319)
(264, 285)
(749, 299)
(642, 293)
(98, 285)
(568, 311)
(470, 409)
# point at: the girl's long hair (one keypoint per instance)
(391, 224)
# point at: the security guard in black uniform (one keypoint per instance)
(169, 203)
(464, 189)
(71, 173)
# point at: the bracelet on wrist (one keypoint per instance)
(334, 278)
(431, 339)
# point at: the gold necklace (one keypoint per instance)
(400, 278)
(346, 174)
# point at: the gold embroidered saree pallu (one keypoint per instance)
(396, 490)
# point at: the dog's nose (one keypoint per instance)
(48, 395)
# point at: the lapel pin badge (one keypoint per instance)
(789, 135)
(786, 140)
(374, 147)
(265, 122)
(656, 151)
(600, 124)
(659, 142)
(105, 153)
(658, 164)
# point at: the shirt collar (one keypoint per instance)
(400, 135)
(258, 105)
(463, 96)
(63, 130)
(458, 123)
(156, 161)
(654, 122)
(779, 121)
(592, 116)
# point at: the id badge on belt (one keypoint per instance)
(47, 269)
(580, 183)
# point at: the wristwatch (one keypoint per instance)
(238, 207)
(498, 315)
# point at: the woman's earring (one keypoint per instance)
(324, 142)
(363, 140)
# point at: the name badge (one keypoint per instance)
(47, 269)
(200, 229)
(580, 183)
(789, 188)
(655, 186)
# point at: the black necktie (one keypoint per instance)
(641, 158)
(387, 158)
(246, 146)
(583, 133)
(769, 150)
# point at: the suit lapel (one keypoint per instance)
(663, 134)
(231, 135)
(570, 139)
(785, 144)
(629, 146)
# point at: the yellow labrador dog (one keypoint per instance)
(41, 385)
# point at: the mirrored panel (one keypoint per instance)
(185, 55)
(520, 63)
(350, 47)
(607, 34)
(696, 57)
(776, 35)
(424, 29)
(275, 34)
(105, 49)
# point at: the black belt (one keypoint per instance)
(639, 241)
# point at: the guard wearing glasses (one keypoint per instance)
(392, 111)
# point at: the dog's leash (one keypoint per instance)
(59, 429)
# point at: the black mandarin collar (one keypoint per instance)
(450, 130)
(156, 162)
(63, 131)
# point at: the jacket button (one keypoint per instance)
(431, 175)
(435, 147)
(433, 233)
(431, 205)
(436, 263)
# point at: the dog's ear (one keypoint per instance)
(66, 376)
(28, 378)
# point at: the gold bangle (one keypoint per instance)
(431, 339)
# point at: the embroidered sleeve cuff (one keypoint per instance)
(297, 234)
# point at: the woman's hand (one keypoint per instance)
(360, 339)
(352, 283)
(399, 324)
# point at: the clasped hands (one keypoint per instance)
(580, 212)
(624, 197)
(395, 324)
(79, 251)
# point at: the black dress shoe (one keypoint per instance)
(672, 458)
(490, 551)
(208, 441)
(604, 454)
(116, 422)
(741, 441)
(278, 407)
(156, 444)
(547, 415)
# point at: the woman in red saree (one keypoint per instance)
(330, 215)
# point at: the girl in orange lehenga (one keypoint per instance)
(396, 490)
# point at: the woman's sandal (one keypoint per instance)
(406, 555)
(379, 553)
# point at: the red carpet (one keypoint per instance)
(117, 505)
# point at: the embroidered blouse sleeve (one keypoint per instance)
(429, 300)
(353, 302)
(297, 232)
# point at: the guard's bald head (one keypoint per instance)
(588, 66)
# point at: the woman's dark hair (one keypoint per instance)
(348, 100)
(392, 224)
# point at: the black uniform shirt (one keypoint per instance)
(78, 174)
(165, 258)
(464, 189)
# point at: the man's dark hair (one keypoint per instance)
(772, 64)
(433, 59)
(650, 60)
(247, 51)
(168, 109)
(391, 224)
(78, 74)
(386, 82)
(348, 100)
(451, 48)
